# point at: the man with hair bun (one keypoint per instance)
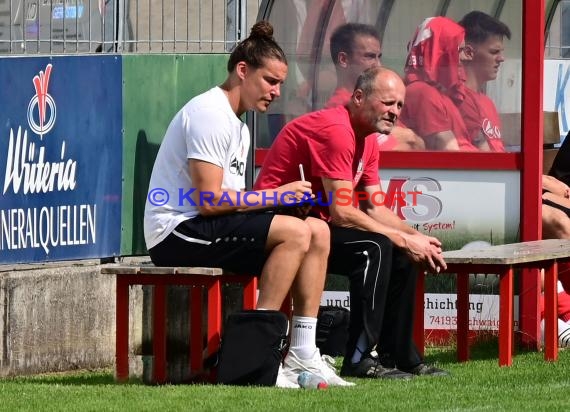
(204, 151)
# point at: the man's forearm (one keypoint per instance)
(357, 219)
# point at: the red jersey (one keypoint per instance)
(340, 97)
(428, 111)
(480, 116)
(325, 144)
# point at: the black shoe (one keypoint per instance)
(426, 370)
(371, 368)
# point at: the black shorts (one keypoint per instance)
(235, 242)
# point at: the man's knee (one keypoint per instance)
(290, 230)
(555, 223)
(320, 234)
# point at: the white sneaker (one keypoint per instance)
(283, 380)
(293, 366)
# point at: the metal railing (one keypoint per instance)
(110, 26)
(558, 39)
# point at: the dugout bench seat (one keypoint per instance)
(198, 279)
(502, 260)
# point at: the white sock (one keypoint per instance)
(361, 347)
(303, 336)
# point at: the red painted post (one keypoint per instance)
(159, 332)
(532, 140)
(506, 318)
(550, 312)
(250, 293)
(214, 317)
(196, 331)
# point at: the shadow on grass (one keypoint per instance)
(484, 348)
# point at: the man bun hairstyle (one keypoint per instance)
(479, 26)
(255, 49)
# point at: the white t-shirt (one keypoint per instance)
(207, 129)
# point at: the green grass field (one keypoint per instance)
(530, 384)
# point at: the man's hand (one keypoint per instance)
(425, 251)
(294, 192)
(300, 212)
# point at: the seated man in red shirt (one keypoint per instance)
(433, 83)
(484, 53)
(370, 244)
(354, 48)
(482, 57)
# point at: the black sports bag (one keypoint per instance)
(332, 330)
(253, 345)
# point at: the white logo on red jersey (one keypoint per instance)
(492, 132)
(381, 138)
(359, 171)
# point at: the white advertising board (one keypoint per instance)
(440, 309)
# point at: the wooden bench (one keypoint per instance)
(502, 260)
(160, 277)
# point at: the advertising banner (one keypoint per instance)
(557, 99)
(458, 207)
(60, 158)
(440, 309)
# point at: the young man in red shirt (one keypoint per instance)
(483, 55)
(354, 48)
(369, 244)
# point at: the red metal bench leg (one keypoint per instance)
(122, 330)
(550, 312)
(462, 316)
(159, 333)
(250, 293)
(196, 332)
(529, 312)
(419, 333)
(506, 318)
(214, 317)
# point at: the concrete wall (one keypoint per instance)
(59, 317)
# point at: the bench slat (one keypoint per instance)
(122, 270)
(160, 270)
(513, 253)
